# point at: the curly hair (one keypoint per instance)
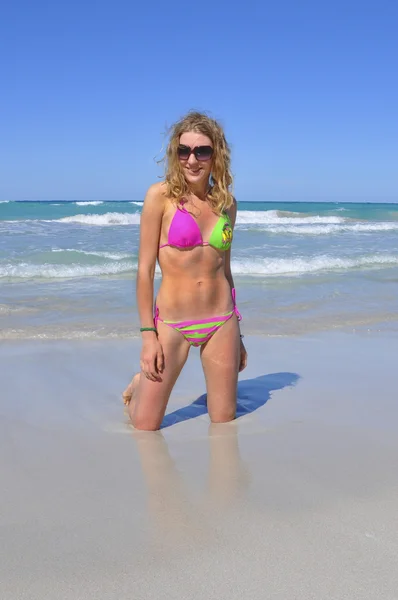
(220, 195)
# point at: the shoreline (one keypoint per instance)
(363, 324)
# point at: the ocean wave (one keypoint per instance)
(51, 271)
(111, 218)
(245, 217)
(91, 203)
(136, 202)
(7, 309)
(109, 255)
(265, 267)
(280, 217)
(302, 265)
(80, 331)
(4, 201)
(330, 229)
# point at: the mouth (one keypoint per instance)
(194, 171)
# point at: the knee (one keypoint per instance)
(145, 424)
(224, 417)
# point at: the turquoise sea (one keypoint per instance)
(67, 269)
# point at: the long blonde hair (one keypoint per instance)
(220, 195)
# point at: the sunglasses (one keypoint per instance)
(201, 153)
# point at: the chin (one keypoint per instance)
(196, 178)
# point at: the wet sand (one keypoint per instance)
(295, 499)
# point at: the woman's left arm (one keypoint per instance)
(228, 274)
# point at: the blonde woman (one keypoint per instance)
(187, 225)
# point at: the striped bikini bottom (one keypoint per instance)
(199, 332)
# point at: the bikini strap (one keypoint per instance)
(235, 307)
(156, 316)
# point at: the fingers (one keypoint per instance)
(148, 368)
(152, 367)
(243, 361)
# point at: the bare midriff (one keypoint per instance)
(194, 285)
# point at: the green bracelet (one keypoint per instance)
(148, 329)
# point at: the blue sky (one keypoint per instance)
(307, 92)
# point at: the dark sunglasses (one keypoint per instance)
(201, 152)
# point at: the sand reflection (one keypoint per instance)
(180, 517)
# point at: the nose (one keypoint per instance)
(192, 159)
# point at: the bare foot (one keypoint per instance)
(130, 389)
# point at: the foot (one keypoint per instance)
(130, 390)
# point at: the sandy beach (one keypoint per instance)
(295, 499)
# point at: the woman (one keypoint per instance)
(187, 225)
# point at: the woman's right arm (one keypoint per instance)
(152, 360)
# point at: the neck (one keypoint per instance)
(201, 190)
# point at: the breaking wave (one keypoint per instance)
(271, 217)
(111, 218)
(49, 271)
(331, 229)
(299, 266)
(117, 264)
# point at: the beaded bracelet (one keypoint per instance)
(148, 329)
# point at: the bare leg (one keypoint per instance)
(150, 398)
(220, 359)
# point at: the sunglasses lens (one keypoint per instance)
(203, 152)
(183, 152)
(200, 152)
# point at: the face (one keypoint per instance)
(195, 171)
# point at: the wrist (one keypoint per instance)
(148, 331)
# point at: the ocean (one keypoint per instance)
(67, 269)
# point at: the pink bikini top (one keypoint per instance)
(184, 232)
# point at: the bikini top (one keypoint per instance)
(184, 232)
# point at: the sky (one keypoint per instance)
(307, 92)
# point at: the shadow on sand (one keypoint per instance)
(252, 394)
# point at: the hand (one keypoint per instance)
(152, 358)
(243, 356)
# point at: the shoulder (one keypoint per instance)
(156, 192)
(232, 210)
(155, 198)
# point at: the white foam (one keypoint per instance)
(301, 265)
(92, 203)
(110, 218)
(4, 201)
(254, 266)
(330, 229)
(137, 203)
(50, 271)
(109, 255)
(278, 217)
